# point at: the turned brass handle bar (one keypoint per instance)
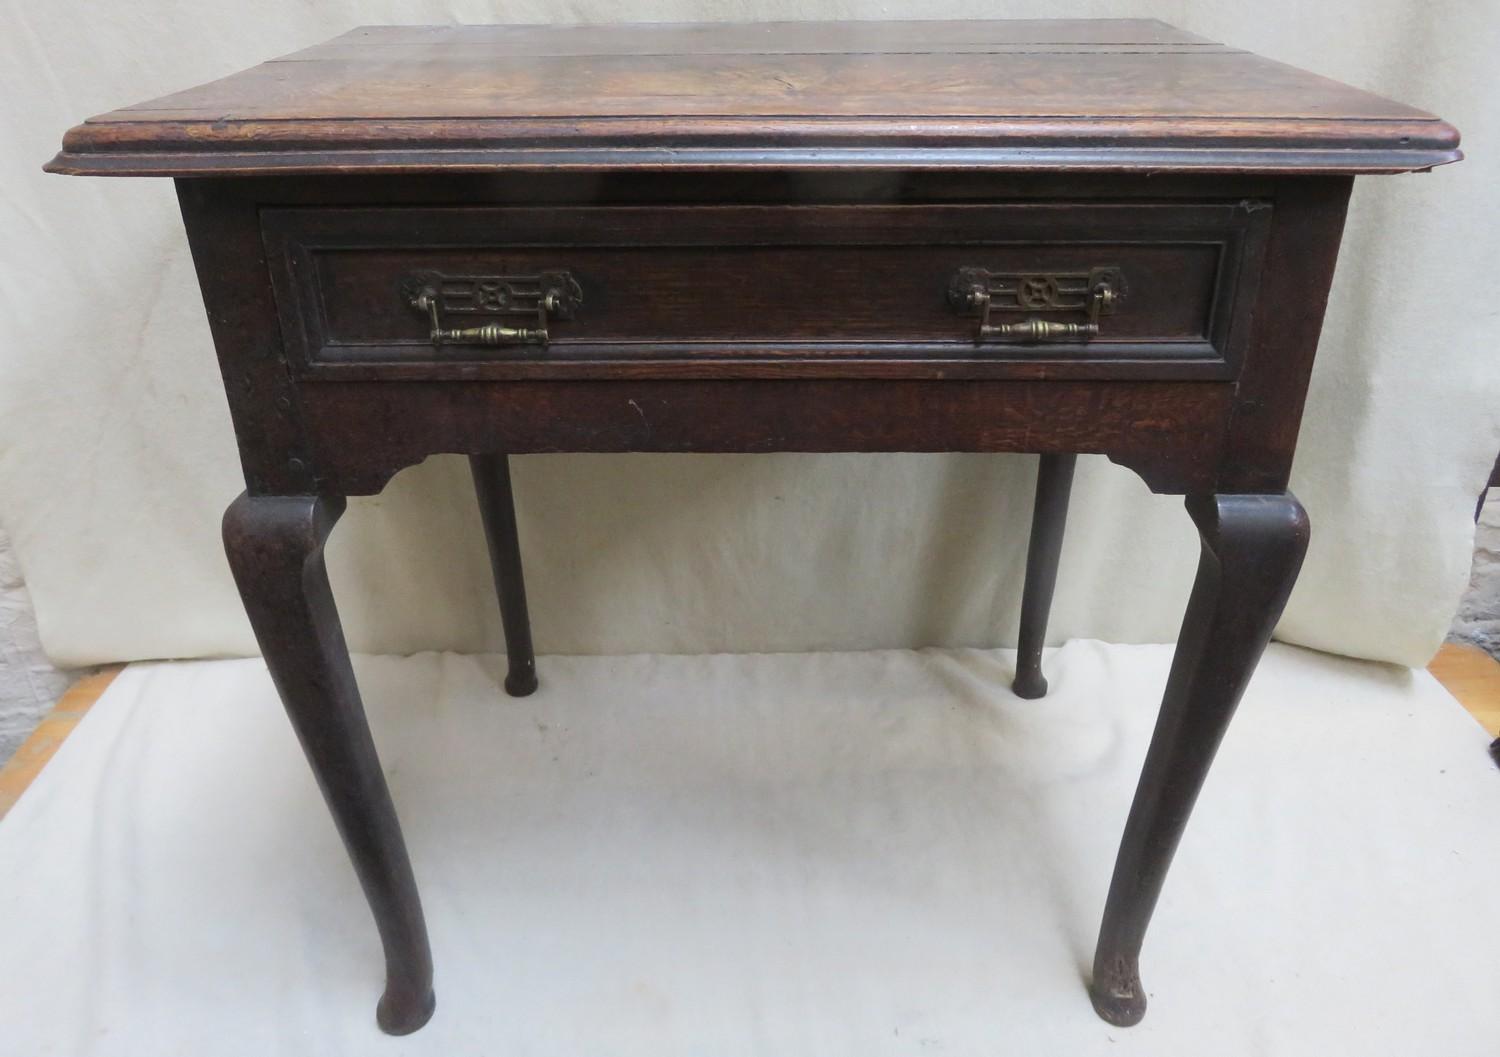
(984, 294)
(487, 334)
(1038, 330)
(542, 298)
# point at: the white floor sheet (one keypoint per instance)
(819, 854)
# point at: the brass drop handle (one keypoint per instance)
(487, 334)
(542, 297)
(982, 293)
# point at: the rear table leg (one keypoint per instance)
(1049, 517)
(497, 508)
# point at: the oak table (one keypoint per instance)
(1034, 236)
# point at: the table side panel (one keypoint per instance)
(223, 232)
(1302, 250)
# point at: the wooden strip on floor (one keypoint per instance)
(1472, 676)
(49, 735)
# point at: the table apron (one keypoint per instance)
(360, 434)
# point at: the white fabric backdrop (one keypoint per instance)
(28, 684)
(116, 455)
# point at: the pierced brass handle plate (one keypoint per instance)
(982, 293)
(538, 298)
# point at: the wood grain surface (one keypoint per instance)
(1089, 94)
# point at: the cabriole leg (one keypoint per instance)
(497, 507)
(1049, 517)
(1252, 547)
(275, 547)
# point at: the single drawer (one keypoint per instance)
(1064, 289)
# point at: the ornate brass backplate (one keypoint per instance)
(980, 292)
(541, 297)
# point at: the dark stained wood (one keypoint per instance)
(1115, 95)
(763, 221)
(1252, 548)
(566, 187)
(363, 432)
(669, 289)
(497, 506)
(302, 419)
(1049, 517)
(1298, 273)
(1493, 482)
(264, 402)
(275, 547)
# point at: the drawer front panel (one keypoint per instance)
(1058, 289)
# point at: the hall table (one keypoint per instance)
(1031, 236)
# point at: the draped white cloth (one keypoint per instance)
(863, 854)
(116, 454)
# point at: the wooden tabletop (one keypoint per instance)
(1118, 94)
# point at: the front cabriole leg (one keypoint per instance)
(1252, 547)
(275, 547)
